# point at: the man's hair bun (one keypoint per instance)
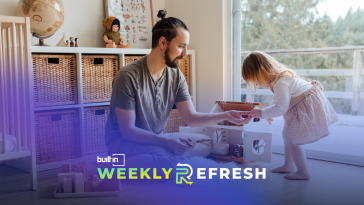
(162, 14)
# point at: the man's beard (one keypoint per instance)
(169, 62)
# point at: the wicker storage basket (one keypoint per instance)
(129, 59)
(54, 80)
(94, 129)
(57, 136)
(98, 72)
(174, 121)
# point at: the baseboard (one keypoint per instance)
(326, 156)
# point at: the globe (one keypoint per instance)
(46, 16)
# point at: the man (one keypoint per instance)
(143, 95)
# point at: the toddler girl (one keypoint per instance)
(305, 109)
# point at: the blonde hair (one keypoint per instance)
(259, 67)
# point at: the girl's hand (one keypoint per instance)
(109, 41)
(256, 113)
(237, 117)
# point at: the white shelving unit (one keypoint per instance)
(79, 51)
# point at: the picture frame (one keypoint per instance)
(136, 20)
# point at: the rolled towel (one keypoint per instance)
(220, 148)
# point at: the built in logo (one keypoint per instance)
(117, 160)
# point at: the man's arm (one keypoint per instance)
(195, 119)
(126, 121)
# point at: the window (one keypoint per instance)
(319, 42)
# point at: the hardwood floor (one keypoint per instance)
(331, 183)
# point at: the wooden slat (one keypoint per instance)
(358, 65)
(12, 19)
(22, 87)
(2, 92)
(14, 155)
(9, 82)
(325, 72)
(310, 50)
(6, 113)
(16, 94)
(329, 94)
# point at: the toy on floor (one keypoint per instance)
(111, 35)
(80, 182)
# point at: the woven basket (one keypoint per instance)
(54, 80)
(129, 59)
(98, 72)
(94, 129)
(57, 136)
(174, 121)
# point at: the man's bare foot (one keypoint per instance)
(297, 176)
(283, 169)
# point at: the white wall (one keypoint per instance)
(83, 20)
(210, 37)
(208, 21)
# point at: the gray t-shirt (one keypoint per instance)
(135, 89)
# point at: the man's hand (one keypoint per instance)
(256, 113)
(237, 117)
(178, 146)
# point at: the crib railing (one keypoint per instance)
(16, 89)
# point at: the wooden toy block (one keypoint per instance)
(60, 176)
(84, 163)
(88, 185)
(81, 168)
(67, 185)
(66, 167)
(79, 183)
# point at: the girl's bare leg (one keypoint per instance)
(288, 166)
(299, 158)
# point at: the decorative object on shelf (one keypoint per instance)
(135, 14)
(67, 43)
(63, 41)
(76, 42)
(71, 42)
(111, 35)
(46, 17)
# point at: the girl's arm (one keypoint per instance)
(281, 103)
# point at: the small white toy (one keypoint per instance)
(62, 42)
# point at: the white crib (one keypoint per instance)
(16, 92)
